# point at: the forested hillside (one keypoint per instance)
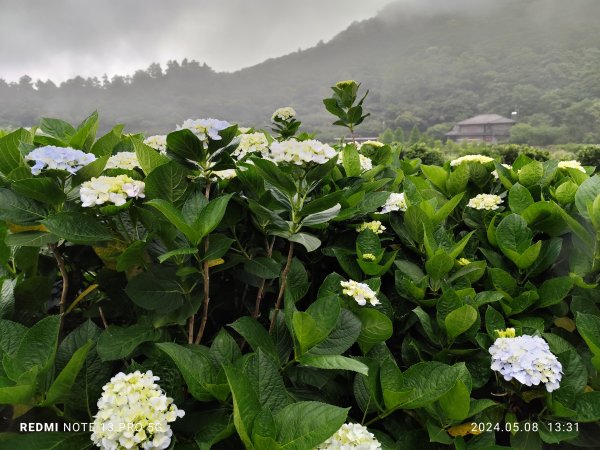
(427, 67)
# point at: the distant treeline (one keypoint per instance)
(426, 72)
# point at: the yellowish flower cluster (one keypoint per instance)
(571, 165)
(115, 190)
(481, 159)
(123, 160)
(157, 142)
(375, 226)
(283, 114)
(487, 202)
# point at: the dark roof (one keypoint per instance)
(483, 119)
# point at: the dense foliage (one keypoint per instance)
(281, 288)
(428, 66)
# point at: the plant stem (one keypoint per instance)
(261, 289)
(284, 275)
(65, 276)
(206, 277)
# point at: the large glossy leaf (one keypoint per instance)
(77, 228)
(119, 342)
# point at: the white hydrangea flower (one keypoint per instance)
(365, 163)
(283, 114)
(134, 413)
(59, 158)
(244, 130)
(527, 359)
(360, 292)
(123, 160)
(251, 143)
(375, 226)
(116, 190)
(489, 202)
(205, 128)
(351, 436)
(395, 202)
(495, 172)
(481, 159)
(299, 152)
(157, 142)
(572, 164)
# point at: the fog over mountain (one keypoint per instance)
(426, 63)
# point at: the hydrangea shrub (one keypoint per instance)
(288, 293)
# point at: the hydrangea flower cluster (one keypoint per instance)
(365, 163)
(251, 143)
(488, 202)
(527, 359)
(368, 257)
(123, 160)
(481, 159)
(360, 292)
(134, 413)
(572, 164)
(157, 142)
(300, 152)
(205, 128)
(58, 158)
(283, 114)
(395, 202)
(351, 436)
(116, 190)
(375, 226)
(495, 172)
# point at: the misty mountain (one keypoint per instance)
(427, 64)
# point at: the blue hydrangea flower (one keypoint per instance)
(528, 360)
(58, 158)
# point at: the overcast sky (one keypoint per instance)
(58, 39)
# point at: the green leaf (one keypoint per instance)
(77, 228)
(267, 382)
(437, 175)
(48, 441)
(588, 326)
(588, 407)
(275, 176)
(392, 384)
(214, 426)
(565, 193)
(427, 382)
(197, 371)
(31, 239)
(119, 342)
(554, 290)
(263, 267)
(65, 379)
(148, 158)
(351, 161)
(519, 198)
(57, 128)
(256, 336)
(210, 217)
(310, 242)
(313, 423)
(342, 337)
(104, 145)
(335, 362)
(18, 209)
(439, 265)
(306, 331)
(85, 133)
(36, 349)
(246, 405)
(586, 194)
(531, 173)
(174, 216)
(376, 328)
(167, 182)
(156, 289)
(493, 321)
(460, 320)
(41, 189)
(10, 156)
(322, 216)
(186, 146)
(513, 234)
(456, 402)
